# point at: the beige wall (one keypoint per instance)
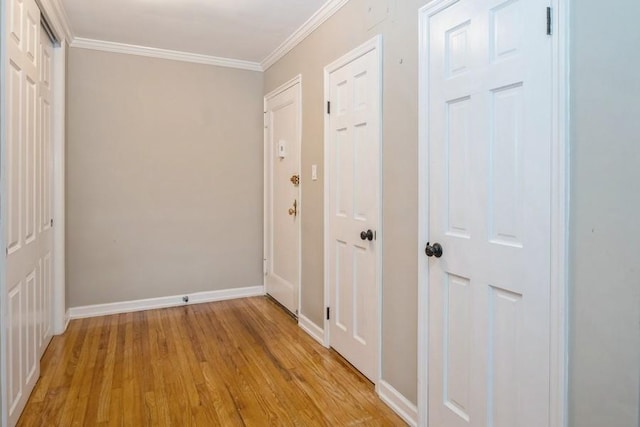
(341, 33)
(164, 178)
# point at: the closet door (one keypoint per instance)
(22, 222)
(45, 191)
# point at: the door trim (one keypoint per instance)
(373, 44)
(297, 80)
(59, 323)
(4, 410)
(559, 211)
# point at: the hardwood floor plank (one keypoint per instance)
(115, 410)
(157, 348)
(82, 371)
(103, 401)
(243, 362)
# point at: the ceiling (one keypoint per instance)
(247, 30)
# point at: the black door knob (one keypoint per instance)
(367, 235)
(435, 250)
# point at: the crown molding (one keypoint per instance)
(173, 55)
(325, 12)
(56, 12)
(57, 17)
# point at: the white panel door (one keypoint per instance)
(23, 189)
(44, 168)
(353, 165)
(489, 136)
(282, 196)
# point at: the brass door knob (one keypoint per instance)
(295, 179)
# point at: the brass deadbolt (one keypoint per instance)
(294, 210)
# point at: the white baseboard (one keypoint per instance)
(163, 302)
(67, 319)
(316, 332)
(400, 404)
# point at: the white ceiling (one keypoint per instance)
(248, 30)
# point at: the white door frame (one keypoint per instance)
(559, 210)
(297, 80)
(60, 317)
(3, 214)
(373, 44)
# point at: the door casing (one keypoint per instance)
(373, 44)
(559, 210)
(297, 80)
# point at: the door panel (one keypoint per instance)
(14, 157)
(46, 303)
(14, 347)
(505, 166)
(457, 326)
(353, 165)
(282, 251)
(32, 34)
(489, 73)
(31, 120)
(31, 338)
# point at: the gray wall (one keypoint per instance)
(341, 33)
(605, 219)
(164, 178)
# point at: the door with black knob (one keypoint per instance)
(487, 120)
(353, 205)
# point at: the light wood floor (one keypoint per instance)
(241, 362)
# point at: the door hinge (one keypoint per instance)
(328, 107)
(549, 29)
(265, 267)
(328, 313)
(51, 222)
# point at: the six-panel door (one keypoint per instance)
(354, 203)
(28, 220)
(489, 73)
